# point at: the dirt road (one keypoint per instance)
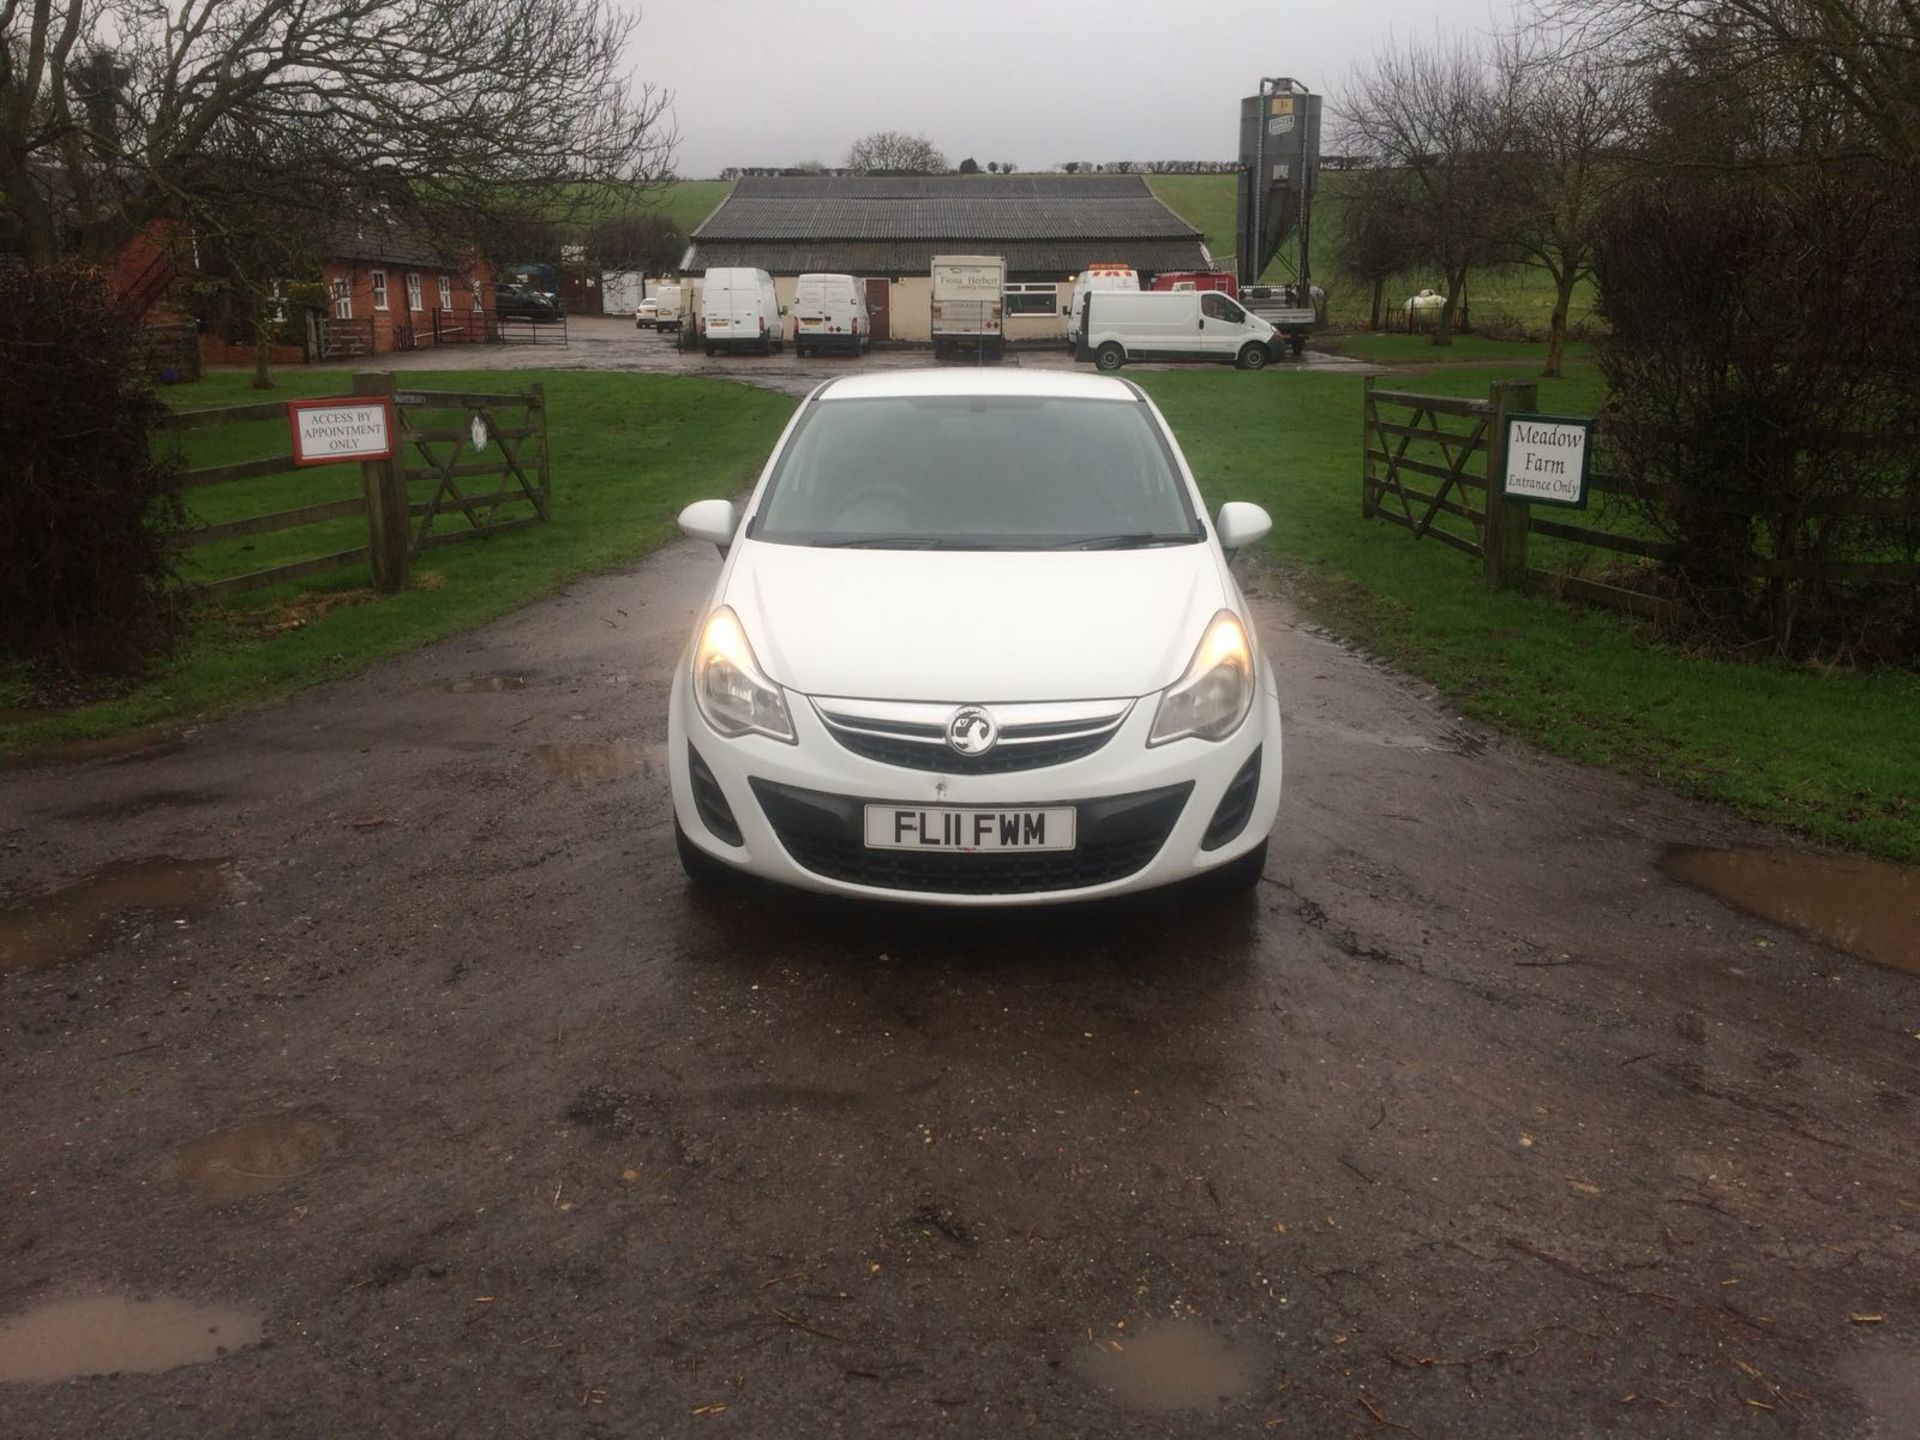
(416, 1062)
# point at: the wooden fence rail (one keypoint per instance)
(504, 439)
(1404, 442)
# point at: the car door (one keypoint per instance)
(1223, 326)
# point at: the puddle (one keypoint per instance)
(486, 684)
(257, 1155)
(111, 1335)
(1169, 1365)
(590, 764)
(65, 924)
(1868, 908)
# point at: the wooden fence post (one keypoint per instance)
(389, 543)
(1366, 450)
(544, 502)
(1504, 545)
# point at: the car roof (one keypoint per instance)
(968, 380)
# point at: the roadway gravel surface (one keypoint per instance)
(371, 1051)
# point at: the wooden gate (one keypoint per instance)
(1404, 449)
(476, 455)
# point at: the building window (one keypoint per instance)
(413, 291)
(1033, 300)
(379, 289)
(446, 292)
(343, 299)
(479, 301)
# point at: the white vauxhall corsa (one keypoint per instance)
(975, 642)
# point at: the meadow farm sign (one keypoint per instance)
(1547, 459)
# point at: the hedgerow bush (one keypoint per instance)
(88, 584)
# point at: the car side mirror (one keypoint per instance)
(1238, 525)
(714, 521)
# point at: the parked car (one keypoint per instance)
(1173, 325)
(646, 315)
(975, 642)
(739, 311)
(660, 310)
(1101, 275)
(517, 302)
(830, 313)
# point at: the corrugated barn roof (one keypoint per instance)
(787, 224)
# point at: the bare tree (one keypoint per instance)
(114, 113)
(1434, 112)
(647, 241)
(1570, 122)
(1379, 230)
(1862, 54)
(893, 152)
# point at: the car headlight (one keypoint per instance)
(1213, 697)
(732, 691)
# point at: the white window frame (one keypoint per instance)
(415, 298)
(343, 298)
(479, 299)
(379, 282)
(446, 292)
(1047, 288)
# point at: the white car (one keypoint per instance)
(646, 315)
(975, 642)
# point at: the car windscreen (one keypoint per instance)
(987, 472)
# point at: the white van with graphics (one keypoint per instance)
(739, 311)
(1101, 276)
(830, 313)
(1173, 325)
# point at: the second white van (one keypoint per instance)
(830, 313)
(739, 311)
(1117, 326)
(1102, 276)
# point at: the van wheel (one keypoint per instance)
(1110, 356)
(1252, 357)
(709, 352)
(1299, 346)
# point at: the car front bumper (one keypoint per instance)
(1143, 814)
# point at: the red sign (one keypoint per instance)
(346, 427)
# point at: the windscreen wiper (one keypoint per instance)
(1137, 540)
(891, 542)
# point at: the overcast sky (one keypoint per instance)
(774, 82)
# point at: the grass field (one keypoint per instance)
(628, 451)
(1827, 753)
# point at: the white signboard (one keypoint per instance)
(349, 428)
(1547, 459)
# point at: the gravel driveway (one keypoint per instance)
(371, 1050)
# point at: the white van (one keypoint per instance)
(1100, 276)
(739, 311)
(830, 313)
(1173, 325)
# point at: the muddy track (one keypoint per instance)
(383, 1020)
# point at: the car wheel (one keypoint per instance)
(1236, 877)
(701, 867)
(1110, 356)
(1299, 346)
(1252, 357)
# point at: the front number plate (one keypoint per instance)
(896, 827)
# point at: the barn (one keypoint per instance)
(886, 229)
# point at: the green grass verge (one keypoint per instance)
(627, 452)
(1826, 753)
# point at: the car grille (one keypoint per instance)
(1117, 837)
(914, 736)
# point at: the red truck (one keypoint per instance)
(1198, 280)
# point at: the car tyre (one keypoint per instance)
(1236, 877)
(1252, 357)
(1110, 356)
(702, 869)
